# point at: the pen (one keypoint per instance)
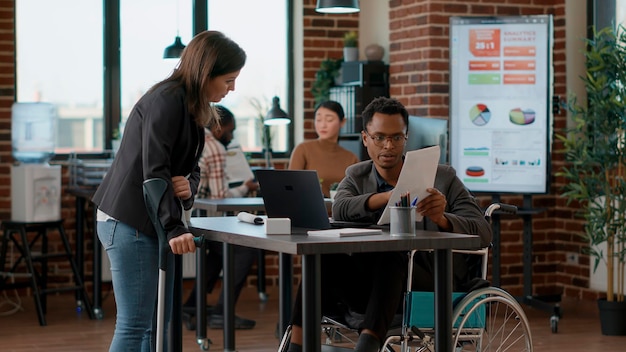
(414, 202)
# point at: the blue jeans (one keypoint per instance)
(134, 260)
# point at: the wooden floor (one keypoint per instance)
(68, 330)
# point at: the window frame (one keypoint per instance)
(112, 109)
(112, 83)
(600, 14)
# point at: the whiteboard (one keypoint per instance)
(501, 83)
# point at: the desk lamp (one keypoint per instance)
(337, 6)
(275, 117)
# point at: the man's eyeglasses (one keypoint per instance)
(380, 140)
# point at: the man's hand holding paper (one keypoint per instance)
(433, 207)
(417, 176)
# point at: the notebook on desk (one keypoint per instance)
(297, 194)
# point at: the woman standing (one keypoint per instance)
(163, 138)
(324, 154)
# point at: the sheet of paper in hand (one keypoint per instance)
(237, 167)
(418, 174)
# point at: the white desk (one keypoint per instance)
(256, 204)
(232, 232)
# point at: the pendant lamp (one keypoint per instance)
(175, 50)
(337, 6)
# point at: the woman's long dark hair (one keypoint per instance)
(208, 55)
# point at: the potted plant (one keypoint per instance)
(264, 130)
(333, 190)
(595, 154)
(350, 46)
(325, 79)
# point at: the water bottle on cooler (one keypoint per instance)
(33, 132)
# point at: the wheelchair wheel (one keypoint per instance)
(339, 336)
(490, 319)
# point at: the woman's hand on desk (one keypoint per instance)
(183, 244)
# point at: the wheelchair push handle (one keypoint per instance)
(505, 208)
(508, 208)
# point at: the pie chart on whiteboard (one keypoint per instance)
(480, 114)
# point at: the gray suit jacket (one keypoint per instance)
(462, 212)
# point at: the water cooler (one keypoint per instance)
(35, 185)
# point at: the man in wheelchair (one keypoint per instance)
(373, 283)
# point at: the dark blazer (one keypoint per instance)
(160, 139)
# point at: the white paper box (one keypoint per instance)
(278, 226)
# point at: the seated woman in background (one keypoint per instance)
(324, 154)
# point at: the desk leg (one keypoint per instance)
(285, 299)
(260, 277)
(311, 303)
(229, 298)
(80, 255)
(97, 271)
(443, 300)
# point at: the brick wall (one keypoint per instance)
(323, 39)
(419, 74)
(7, 93)
(419, 78)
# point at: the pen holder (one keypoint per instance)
(402, 221)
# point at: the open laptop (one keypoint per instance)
(297, 194)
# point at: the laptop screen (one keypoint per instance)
(294, 194)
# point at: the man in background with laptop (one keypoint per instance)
(373, 283)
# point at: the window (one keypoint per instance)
(264, 38)
(603, 13)
(620, 12)
(73, 79)
(59, 64)
(143, 39)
